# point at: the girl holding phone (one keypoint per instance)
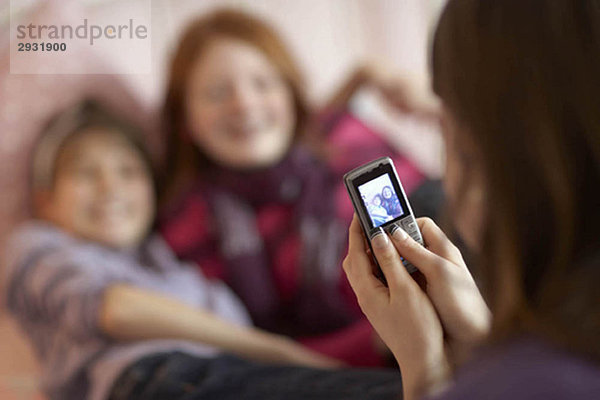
(520, 92)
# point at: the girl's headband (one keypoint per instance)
(49, 145)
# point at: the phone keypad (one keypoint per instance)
(416, 235)
(410, 226)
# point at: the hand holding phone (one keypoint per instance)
(380, 202)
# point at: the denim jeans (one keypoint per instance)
(180, 376)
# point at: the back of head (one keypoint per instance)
(521, 77)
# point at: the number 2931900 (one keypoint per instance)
(42, 46)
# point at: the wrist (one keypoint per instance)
(421, 379)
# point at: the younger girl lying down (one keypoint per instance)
(109, 310)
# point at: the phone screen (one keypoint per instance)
(381, 200)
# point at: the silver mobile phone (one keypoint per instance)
(379, 201)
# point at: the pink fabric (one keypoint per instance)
(359, 338)
(353, 143)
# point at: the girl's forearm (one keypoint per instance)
(129, 313)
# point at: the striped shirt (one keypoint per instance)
(54, 284)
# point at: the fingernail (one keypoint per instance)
(379, 239)
(399, 234)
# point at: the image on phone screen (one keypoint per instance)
(381, 200)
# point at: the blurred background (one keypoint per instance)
(329, 38)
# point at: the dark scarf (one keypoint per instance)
(307, 186)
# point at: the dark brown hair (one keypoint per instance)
(73, 122)
(183, 158)
(522, 78)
